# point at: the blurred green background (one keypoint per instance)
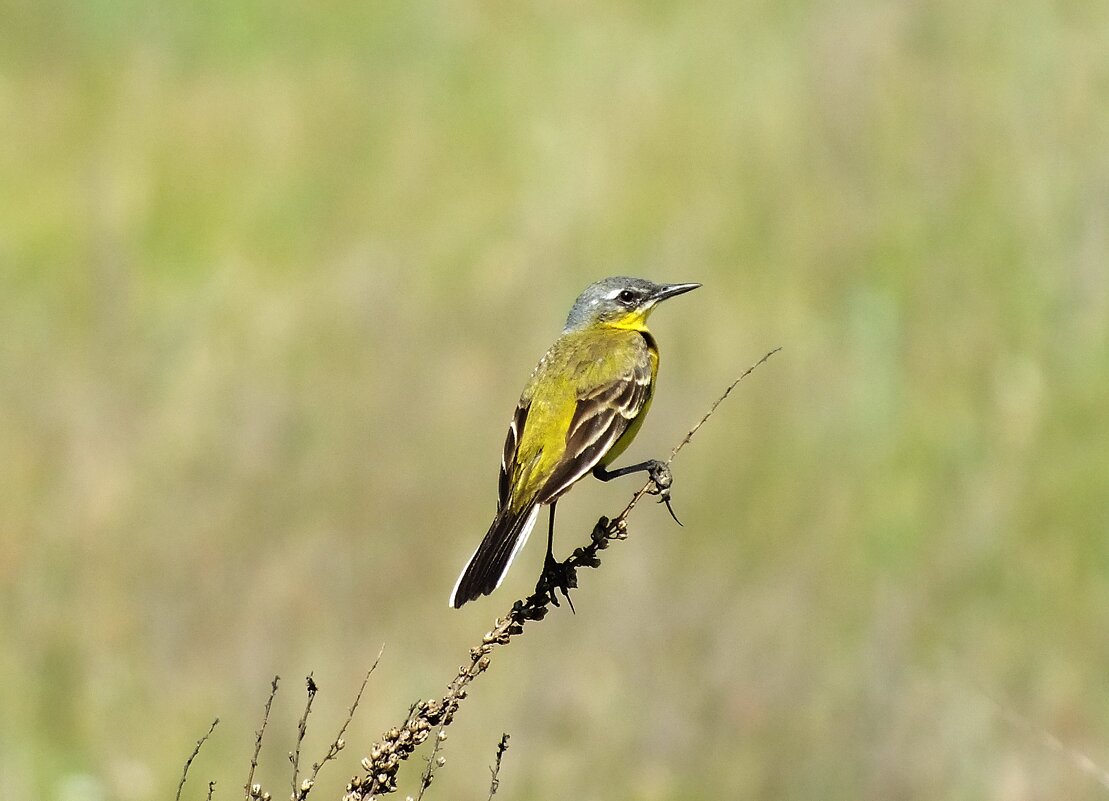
(273, 275)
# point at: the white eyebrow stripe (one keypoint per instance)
(612, 295)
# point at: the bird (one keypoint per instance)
(582, 406)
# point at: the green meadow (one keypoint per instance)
(272, 276)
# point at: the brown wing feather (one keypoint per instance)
(601, 416)
(511, 447)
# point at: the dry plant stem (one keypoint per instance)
(250, 788)
(398, 744)
(433, 762)
(302, 729)
(211, 789)
(192, 756)
(717, 402)
(495, 782)
(1049, 740)
(338, 744)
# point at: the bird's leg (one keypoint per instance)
(660, 475)
(556, 576)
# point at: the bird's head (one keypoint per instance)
(620, 302)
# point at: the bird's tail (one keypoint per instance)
(490, 562)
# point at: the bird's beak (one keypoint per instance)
(670, 290)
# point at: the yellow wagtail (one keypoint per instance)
(582, 406)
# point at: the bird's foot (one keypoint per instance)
(662, 479)
(557, 576)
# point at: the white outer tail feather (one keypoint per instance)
(525, 532)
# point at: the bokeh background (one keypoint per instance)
(273, 274)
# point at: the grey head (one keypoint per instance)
(620, 301)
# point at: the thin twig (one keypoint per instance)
(397, 744)
(1047, 739)
(250, 789)
(211, 789)
(302, 729)
(717, 402)
(192, 756)
(495, 782)
(647, 486)
(434, 761)
(338, 744)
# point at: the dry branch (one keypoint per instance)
(338, 744)
(1048, 740)
(254, 791)
(192, 756)
(302, 730)
(495, 781)
(398, 743)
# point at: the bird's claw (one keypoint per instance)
(670, 509)
(661, 481)
(557, 576)
(661, 478)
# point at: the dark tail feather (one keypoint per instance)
(491, 560)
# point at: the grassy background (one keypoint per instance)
(273, 275)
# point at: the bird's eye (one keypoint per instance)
(627, 296)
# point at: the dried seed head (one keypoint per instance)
(366, 764)
(441, 761)
(442, 735)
